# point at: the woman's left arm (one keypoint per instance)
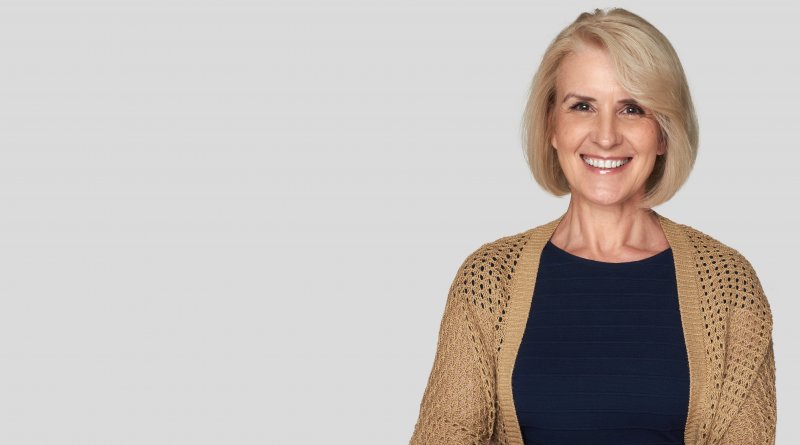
(755, 422)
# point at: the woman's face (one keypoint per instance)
(593, 117)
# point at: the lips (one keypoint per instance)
(602, 164)
(603, 158)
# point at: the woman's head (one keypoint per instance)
(605, 57)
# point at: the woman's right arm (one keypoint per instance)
(457, 406)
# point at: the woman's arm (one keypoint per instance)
(457, 406)
(755, 422)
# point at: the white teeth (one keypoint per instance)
(600, 163)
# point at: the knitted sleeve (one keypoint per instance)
(755, 421)
(457, 406)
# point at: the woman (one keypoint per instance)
(611, 324)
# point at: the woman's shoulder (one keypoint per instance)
(710, 250)
(705, 244)
(492, 262)
(486, 273)
(724, 273)
(499, 254)
(513, 242)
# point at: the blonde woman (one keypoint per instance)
(611, 324)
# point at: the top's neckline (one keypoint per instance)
(522, 286)
(577, 258)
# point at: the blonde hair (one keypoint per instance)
(648, 68)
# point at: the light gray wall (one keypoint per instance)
(236, 222)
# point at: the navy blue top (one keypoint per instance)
(603, 358)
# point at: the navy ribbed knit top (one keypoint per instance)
(603, 358)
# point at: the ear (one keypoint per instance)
(662, 147)
(662, 144)
(551, 128)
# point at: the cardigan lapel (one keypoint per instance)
(693, 328)
(522, 287)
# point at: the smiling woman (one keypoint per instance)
(606, 146)
(610, 324)
(614, 77)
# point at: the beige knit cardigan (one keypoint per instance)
(727, 325)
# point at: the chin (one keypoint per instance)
(605, 199)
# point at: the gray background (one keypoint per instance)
(236, 222)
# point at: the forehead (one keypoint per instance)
(588, 71)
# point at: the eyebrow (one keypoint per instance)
(592, 99)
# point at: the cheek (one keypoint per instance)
(646, 138)
(568, 132)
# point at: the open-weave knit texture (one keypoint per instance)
(727, 325)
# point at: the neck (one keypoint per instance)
(616, 233)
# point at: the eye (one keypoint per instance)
(636, 109)
(578, 106)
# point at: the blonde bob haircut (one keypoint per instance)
(648, 68)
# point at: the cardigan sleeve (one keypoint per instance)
(755, 422)
(457, 406)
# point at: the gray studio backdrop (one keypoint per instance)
(236, 222)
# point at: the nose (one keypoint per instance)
(606, 133)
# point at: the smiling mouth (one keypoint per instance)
(605, 163)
